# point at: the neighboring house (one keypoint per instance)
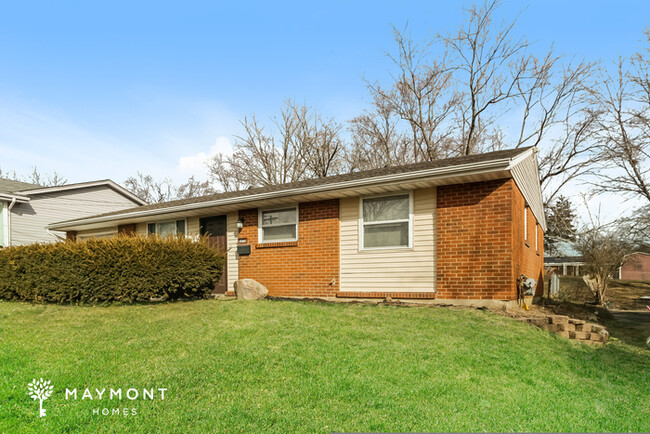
(636, 268)
(27, 209)
(455, 229)
(565, 265)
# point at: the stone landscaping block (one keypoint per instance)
(566, 327)
(575, 321)
(583, 327)
(596, 328)
(563, 334)
(579, 335)
(539, 322)
(550, 327)
(559, 319)
(597, 337)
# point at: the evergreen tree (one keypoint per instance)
(560, 217)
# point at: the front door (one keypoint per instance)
(215, 228)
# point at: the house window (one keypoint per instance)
(525, 223)
(171, 227)
(278, 225)
(386, 221)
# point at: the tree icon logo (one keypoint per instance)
(40, 390)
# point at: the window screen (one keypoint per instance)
(386, 221)
(279, 225)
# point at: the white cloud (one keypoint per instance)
(196, 164)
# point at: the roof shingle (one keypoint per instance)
(448, 162)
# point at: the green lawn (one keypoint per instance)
(279, 366)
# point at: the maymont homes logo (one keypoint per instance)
(42, 390)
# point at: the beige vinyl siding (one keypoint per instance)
(390, 270)
(28, 220)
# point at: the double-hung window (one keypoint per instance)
(386, 221)
(172, 227)
(277, 225)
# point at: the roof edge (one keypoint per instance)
(107, 182)
(495, 165)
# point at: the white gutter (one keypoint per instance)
(14, 197)
(465, 169)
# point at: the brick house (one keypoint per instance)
(637, 267)
(456, 229)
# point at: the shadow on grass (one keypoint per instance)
(633, 328)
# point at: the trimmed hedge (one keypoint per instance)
(124, 269)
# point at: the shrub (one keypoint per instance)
(124, 269)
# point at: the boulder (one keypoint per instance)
(249, 289)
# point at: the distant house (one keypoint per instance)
(636, 268)
(27, 209)
(462, 228)
(565, 265)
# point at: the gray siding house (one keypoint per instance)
(26, 209)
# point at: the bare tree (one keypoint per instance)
(604, 250)
(569, 155)
(53, 179)
(194, 188)
(452, 102)
(300, 144)
(624, 134)
(490, 64)
(376, 139)
(637, 228)
(151, 190)
(223, 175)
(421, 96)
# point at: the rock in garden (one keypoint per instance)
(249, 289)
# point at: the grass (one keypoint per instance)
(279, 366)
(622, 294)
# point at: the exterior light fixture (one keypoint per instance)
(240, 224)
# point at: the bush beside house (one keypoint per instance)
(124, 269)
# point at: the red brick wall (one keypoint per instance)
(480, 241)
(528, 259)
(474, 241)
(308, 267)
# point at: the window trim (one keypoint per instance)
(159, 222)
(536, 237)
(409, 220)
(526, 224)
(260, 228)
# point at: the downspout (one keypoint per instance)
(11, 205)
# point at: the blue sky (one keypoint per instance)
(102, 90)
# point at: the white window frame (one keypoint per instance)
(536, 237)
(159, 222)
(260, 229)
(526, 223)
(362, 223)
